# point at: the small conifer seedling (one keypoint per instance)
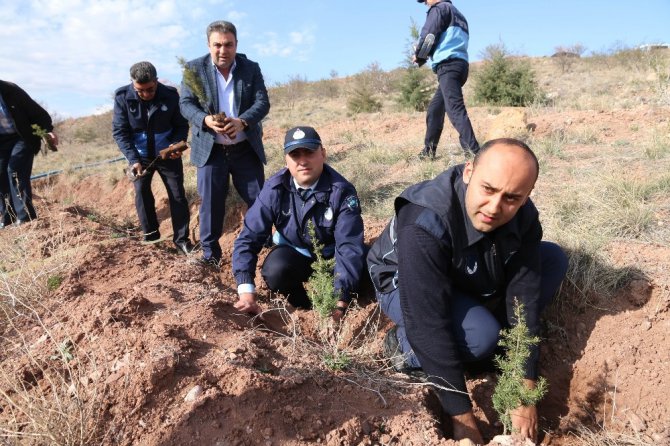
(511, 392)
(44, 136)
(320, 288)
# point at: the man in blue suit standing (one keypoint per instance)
(230, 146)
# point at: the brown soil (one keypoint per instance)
(157, 325)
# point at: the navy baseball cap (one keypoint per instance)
(301, 137)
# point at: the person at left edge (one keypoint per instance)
(232, 84)
(306, 190)
(146, 120)
(18, 147)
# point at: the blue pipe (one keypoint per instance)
(82, 166)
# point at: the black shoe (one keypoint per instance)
(152, 236)
(184, 247)
(397, 359)
(427, 154)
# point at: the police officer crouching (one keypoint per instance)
(306, 190)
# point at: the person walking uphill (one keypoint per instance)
(232, 146)
(449, 267)
(18, 147)
(147, 120)
(444, 39)
(307, 190)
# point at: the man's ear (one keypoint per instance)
(467, 172)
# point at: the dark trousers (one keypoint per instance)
(284, 271)
(239, 161)
(171, 172)
(448, 99)
(476, 329)
(16, 164)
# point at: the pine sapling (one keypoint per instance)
(194, 83)
(511, 392)
(321, 292)
(44, 136)
(320, 287)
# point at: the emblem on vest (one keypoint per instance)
(471, 269)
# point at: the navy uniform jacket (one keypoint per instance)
(333, 207)
(25, 112)
(251, 100)
(501, 265)
(164, 122)
(451, 33)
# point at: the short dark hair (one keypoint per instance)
(508, 142)
(143, 72)
(221, 26)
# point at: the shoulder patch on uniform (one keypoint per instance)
(352, 202)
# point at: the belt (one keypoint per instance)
(228, 147)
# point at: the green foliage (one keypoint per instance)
(363, 99)
(511, 392)
(320, 287)
(53, 282)
(44, 136)
(193, 82)
(367, 86)
(64, 352)
(337, 361)
(415, 90)
(505, 82)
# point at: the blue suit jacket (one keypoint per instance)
(251, 100)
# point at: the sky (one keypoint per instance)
(70, 55)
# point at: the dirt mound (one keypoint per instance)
(149, 344)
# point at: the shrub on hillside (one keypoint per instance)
(363, 97)
(415, 90)
(504, 81)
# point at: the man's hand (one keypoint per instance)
(340, 310)
(53, 138)
(233, 126)
(524, 418)
(215, 125)
(247, 304)
(176, 154)
(465, 426)
(137, 169)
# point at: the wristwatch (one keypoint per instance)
(244, 124)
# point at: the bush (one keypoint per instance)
(505, 82)
(363, 100)
(415, 91)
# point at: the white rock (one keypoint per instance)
(193, 394)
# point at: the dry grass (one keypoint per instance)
(587, 437)
(55, 398)
(51, 387)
